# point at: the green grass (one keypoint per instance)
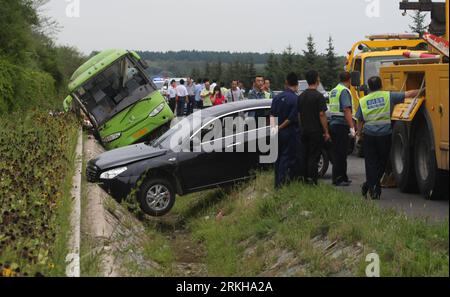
(36, 170)
(269, 223)
(60, 247)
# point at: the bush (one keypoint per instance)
(21, 88)
(35, 158)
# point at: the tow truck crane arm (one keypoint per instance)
(438, 24)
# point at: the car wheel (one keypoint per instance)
(402, 159)
(324, 163)
(156, 197)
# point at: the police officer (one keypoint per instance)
(374, 113)
(341, 126)
(284, 113)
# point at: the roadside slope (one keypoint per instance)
(303, 231)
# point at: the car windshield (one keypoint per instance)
(321, 88)
(372, 65)
(179, 131)
(303, 86)
(116, 88)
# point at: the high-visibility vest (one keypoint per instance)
(376, 108)
(335, 102)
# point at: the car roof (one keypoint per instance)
(222, 109)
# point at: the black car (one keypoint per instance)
(181, 161)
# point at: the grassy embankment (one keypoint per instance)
(36, 162)
(36, 169)
(299, 231)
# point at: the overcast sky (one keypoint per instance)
(229, 25)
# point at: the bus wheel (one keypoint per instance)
(402, 159)
(425, 164)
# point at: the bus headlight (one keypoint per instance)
(112, 137)
(157, 110)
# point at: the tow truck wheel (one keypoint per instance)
(156, 197)
(425, 164)
(402, 159)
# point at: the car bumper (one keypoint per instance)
(119, 187)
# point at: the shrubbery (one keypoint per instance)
(35, 156)
(22, 88)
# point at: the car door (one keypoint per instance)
(258, 137)
(220, 160)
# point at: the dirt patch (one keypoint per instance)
(189, 255)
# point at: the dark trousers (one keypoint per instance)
(180, 106)
(341, 140)
(312, 145)
(287, 159)
(173, 104)
(376, 155)
(190, 106)
(199, 104)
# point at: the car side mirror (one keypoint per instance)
(356, 78)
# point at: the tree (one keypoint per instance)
(329, 76)
(288, 60)
(217, 71)
(272, 69)
(310, 56)
(207, 72)
(418, 23)
(195, 74)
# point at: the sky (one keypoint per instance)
(221, 25)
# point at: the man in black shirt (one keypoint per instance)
(314, 132)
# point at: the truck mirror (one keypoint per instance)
(364, 89)
(356, 78)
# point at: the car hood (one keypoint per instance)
(126, 155)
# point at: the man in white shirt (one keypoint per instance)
(213, 86)
(172, 93)
(234, 94)
(182, 98)
(191, 96)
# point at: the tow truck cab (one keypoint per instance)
(366, 57)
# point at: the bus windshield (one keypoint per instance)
(119, 86)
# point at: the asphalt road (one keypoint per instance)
(413, 205)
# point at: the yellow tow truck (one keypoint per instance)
(420, 148)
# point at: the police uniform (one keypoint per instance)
(375, 110)
(340, 98)
(284, 107)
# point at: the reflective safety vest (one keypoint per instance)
(335, 102)
(376, 108)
